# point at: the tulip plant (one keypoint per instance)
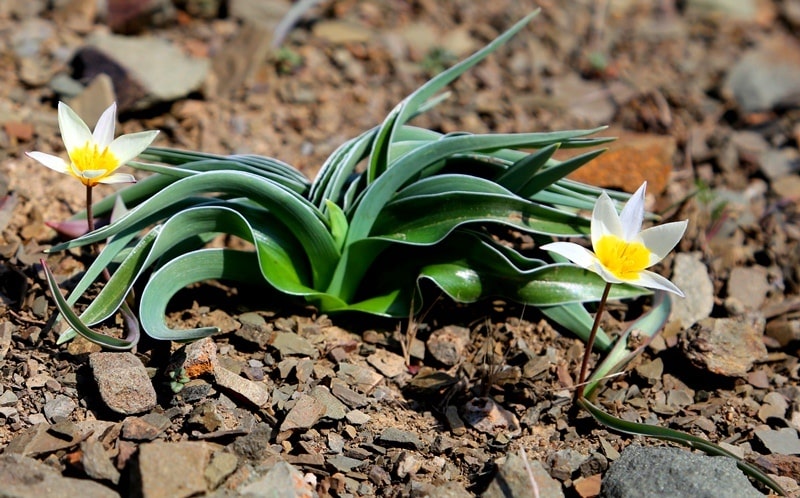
(389, 208)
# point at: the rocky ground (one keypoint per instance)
(703, 95)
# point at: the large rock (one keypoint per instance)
(674, 473)
(23, 477)
(145, 70)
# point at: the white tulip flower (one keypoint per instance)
(94, 157)
(622, 250)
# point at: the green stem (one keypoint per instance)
(590, 343)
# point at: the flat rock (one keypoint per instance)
(254, 392)
(40, 439)
(447, 344)
(173, 470)
(767, 77)
(644, 471)
(514, 479)
(387, 363)
(23, 477)
(749, 286)
(780, 442)
(334, 408)
(291, 344)
(362, 378)
(282, 480)
(398, 437)
(690, 274)
(145, 70)
(96, 462)
(123, 382)
(726, 346)
(304, 414)
(485, 415)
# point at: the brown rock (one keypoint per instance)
(448, 343)
(631, 160)
(726, 346)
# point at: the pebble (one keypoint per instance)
(387, 363)
(357, 417)
(22, 477)
(397, 437)
(362, 378)
(514, 479)
(782, 441)
(448, 344)
(334, 408)
(144, 428)
(196, 358)
(351, 398)
(291, 344)
(281, 480)
(485, 415)
(94, 99)
(564, 463)
(254, 392)
(96, 462)
(173, 470)
(344, 464)
(254, 329)
(774, 406)
(221, 466)
(767, 76)
(644, 471)
(39, 439)
(749, 286)
(726, 346)
(59, 408)
(122, 382)
(690, 274)
(304, 414)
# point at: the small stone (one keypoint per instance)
(123, 382)
(144, 428)
(651, 370)
(398, 437)
(198, 358)
(726, 346)
(306, 412)
(58, 408)
(344, 464)
(357, 417)
(94, 99)
(291, 344)
(407, 465)
(282, 476)
(690, 274)
(335, 442)
(588, 487)
(38, 440)
(28, 478)
(254, 392)
(514, 479)
(173, 469)
(387, 363)
(447, 344)
(222, 465)
(254, 329)
(487, 416)
(774, 406)
(749, 286)
(362, 378)
(97, 463)
(334, 409)
(781, 442)
(564, 463)
(348, 396)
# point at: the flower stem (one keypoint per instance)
(89, 214)
(590, 343)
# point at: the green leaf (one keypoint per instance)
(75, 322)
(523, 170)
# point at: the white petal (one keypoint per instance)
(655, 281)
(605, 274)
(53, 162)
(573, 252)
(633, 213)
(661, 239)
(119, 178)
(104, 130)
(605, 220)
(74, 131)
(126, 147)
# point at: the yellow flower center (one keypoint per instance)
(625, 260)
(90, 164)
